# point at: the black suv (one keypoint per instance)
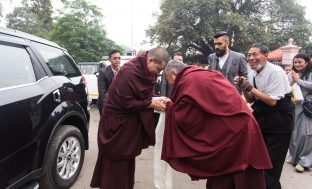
(44, 113)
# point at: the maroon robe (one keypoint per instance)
(126, 126)
(209, 130)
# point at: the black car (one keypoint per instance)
(44, 113)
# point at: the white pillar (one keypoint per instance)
(289, 51)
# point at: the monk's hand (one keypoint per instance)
(165, 99)
(158, 105)
(244, 84)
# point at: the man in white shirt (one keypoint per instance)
(268, 89)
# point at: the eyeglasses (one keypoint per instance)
(116, 58)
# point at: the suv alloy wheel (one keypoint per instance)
(65, 157)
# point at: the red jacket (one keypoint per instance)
(209, 129)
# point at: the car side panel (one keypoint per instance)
(20, 117)
(30, 113)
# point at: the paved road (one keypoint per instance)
(144, 171)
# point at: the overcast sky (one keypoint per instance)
(118, 18)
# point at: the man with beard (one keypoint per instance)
(229, 63)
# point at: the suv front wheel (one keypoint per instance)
(64, 158)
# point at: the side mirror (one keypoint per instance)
(97, 74)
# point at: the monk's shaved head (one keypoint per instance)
(160, 54)
(174, 65)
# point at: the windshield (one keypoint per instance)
(88, 69)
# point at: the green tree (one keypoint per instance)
(189, 25)
(1, 8)
(80, 31)
(286, 20)
(307, 49)
(23, 19)
(34, 17)
(43, 10)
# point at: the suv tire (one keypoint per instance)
(66, 149)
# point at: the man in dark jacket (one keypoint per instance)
(106, 76)
(165, 89)
(229, 63)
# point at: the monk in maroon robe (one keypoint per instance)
(210, 133)
(127, 124)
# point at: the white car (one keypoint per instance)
(90, 70)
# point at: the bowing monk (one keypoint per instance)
(127, 124)
(210, 133)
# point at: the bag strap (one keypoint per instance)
(254, 82)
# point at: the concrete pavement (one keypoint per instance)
(144, 170)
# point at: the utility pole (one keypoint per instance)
(131, 25)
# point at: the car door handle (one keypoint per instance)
(69, 90)
(57, 95)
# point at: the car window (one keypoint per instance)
(15, 66)
(58, 62)
(88, 69)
